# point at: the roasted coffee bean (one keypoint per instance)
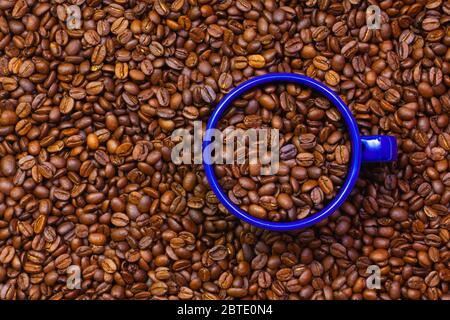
(8, 166)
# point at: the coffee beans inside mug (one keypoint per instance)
(314, 152)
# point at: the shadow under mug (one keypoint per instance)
(377, 148)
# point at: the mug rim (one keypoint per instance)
(355, 158)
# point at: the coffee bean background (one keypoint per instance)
(90, 95)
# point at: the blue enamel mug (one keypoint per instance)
(378, 148)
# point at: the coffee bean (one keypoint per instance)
(430, 24)
(342, 154)
(94, 88)
(379, 255)
(208, 94)
(97, 239)
(218, 253)
(398, 214)
(8, 166)
(257, 211)
(288, 152)
(321, 63)
(26, 69)
(108, 265)
(119, 25)
(119, 219)
(320, 33)
(326, 184)
(256, 61)
(338, 250)
(332, 78)
(7, 254)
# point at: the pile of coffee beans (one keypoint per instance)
(314, 152)
(92, 207)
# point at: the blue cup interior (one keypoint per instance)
(355, 156)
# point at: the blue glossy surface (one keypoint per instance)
(379, 148)
(354, 166)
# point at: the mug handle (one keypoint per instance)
(379, 148)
